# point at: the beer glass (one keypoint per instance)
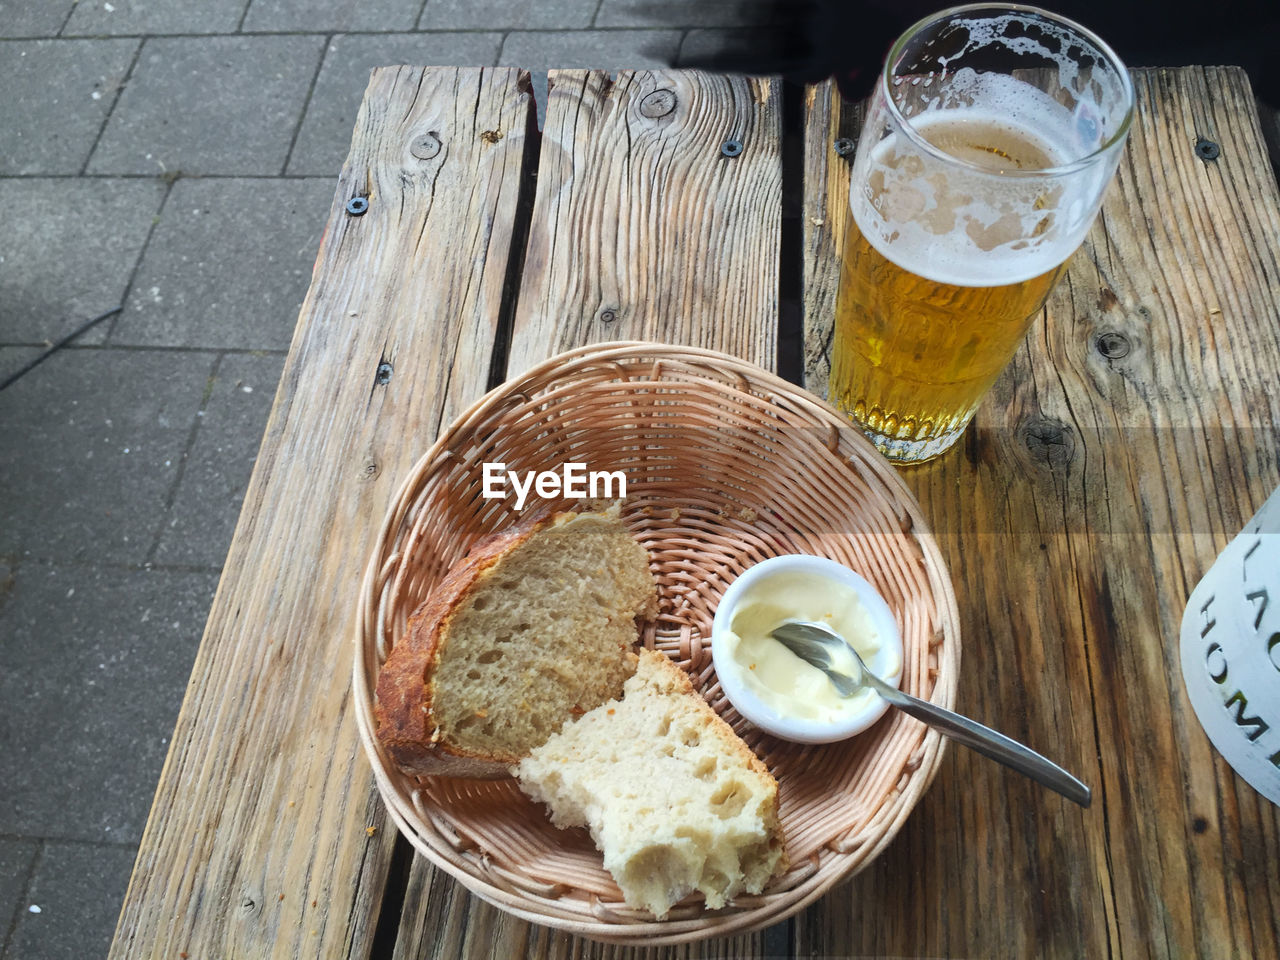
(988, 144)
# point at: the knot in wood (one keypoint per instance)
(1049, 441)
(608, 316)
(658, 104)
(426, 146)
(1113, 345)
(251, 901)
(383, 375)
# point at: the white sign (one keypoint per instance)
(1231, 651)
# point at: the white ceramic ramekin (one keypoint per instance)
(885, 663)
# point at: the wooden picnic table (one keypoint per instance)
(1130, 440)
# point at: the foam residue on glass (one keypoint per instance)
(979, 182)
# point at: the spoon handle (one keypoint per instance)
(986, 741)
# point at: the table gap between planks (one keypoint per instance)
(1086, 500)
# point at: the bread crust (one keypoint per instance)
(402, 705)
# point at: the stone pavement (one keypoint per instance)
(176, 158)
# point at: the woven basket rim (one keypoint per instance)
(754, 381)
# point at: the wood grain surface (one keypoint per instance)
(1131, 438)
(657, 215)
(639, 213)
(266, 836)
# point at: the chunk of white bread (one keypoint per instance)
(672, 797)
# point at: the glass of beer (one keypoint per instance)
(988, 144)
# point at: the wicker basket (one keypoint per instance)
(727, 465)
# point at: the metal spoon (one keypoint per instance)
(814, 643)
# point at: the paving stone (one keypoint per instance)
(539, 85)
(595, 49)
(67, 251)
(92, 673)
(57, 93)
(33, 18)
(78, 888)
(330, 16)
(216, 105)
(682, 13)
(8, 571)
(140, 17)
(325, 137)
(16, 858)
(217, 469)
(13, 359)
(505, 15)
(229, 264)
(90, 443)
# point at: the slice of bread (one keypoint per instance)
(533, 627)
(674, 800)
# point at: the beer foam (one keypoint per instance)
(971, 223)
(1076, 75)
(969, 208)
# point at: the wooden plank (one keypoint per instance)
(637, 212)
(259, 838)
(1131, 438)
(643, 228)
(831, 129)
